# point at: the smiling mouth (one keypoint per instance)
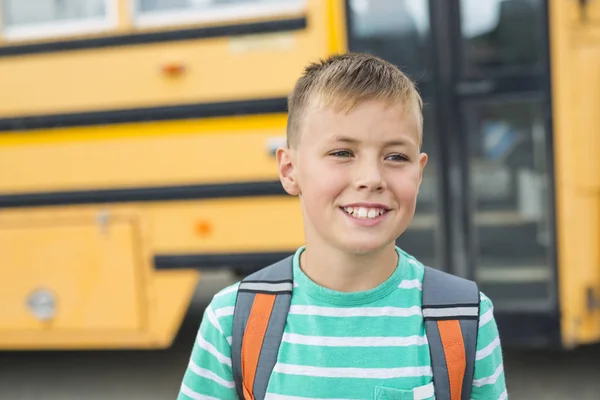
(364, 212)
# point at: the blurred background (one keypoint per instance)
(138, 178)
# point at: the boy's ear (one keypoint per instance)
(423, 157)
(287, 171)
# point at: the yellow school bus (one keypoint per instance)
(137, 148)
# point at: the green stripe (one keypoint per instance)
(214, 337)
(378, 326)
(366, 357)
(338, 388)
(400, 298)
(205, 386)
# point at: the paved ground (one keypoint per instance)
(155, 375)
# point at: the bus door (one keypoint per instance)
(484, 209)
(575, 44)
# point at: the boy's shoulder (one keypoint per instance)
(221, 307)
(223, 303)
(417, 269)
(413, 268)
(413, 276)
(220, 311)
(225, 297)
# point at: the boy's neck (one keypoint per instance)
(344, 272)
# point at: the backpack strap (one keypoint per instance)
(262, 304)
(451, 314)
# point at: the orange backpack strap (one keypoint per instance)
(261, 309)
(451, 314)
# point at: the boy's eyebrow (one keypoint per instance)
(344, 139)
(349, 140)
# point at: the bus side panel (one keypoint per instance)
(215, 69)
(214, 150)
(83, 277)
(70, 273)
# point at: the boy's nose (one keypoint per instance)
(370, 180)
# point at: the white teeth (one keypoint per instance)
(363, 212)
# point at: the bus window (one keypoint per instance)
(156, 5)
(509, 179)
(166, 12)
(395, 30)
(30, 19)
(501, 35)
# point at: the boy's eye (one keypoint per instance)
(397, 157)
(341, 153)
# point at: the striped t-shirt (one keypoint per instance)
(361, 345)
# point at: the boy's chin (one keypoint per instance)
(365, 247)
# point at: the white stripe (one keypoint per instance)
(419, 393)
(210, 375)
(410, 284)
(223, 359)
(369, 373)
(224, 311)
(413, 262)
(503, 396)
(229, 339)
(367, 341)
(487, 350)
(486, 317)
(355, 312)
(273, 396)
(213, 319)
(450, 312)
(227, 290)
(424, 392)
(266, 286)
(195, 395)
(489, 380)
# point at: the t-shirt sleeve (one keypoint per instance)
(489, 381)
(209, 374)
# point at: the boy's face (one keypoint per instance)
(357, 175)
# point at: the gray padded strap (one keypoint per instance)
(448, 297)
(275, 279)
(241, 313)
(444, 290)
(469, 329)
(438, 361)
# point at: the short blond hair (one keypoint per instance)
(344, 81)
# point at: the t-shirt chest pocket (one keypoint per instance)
(425, 392)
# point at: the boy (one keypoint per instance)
(355, 329)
